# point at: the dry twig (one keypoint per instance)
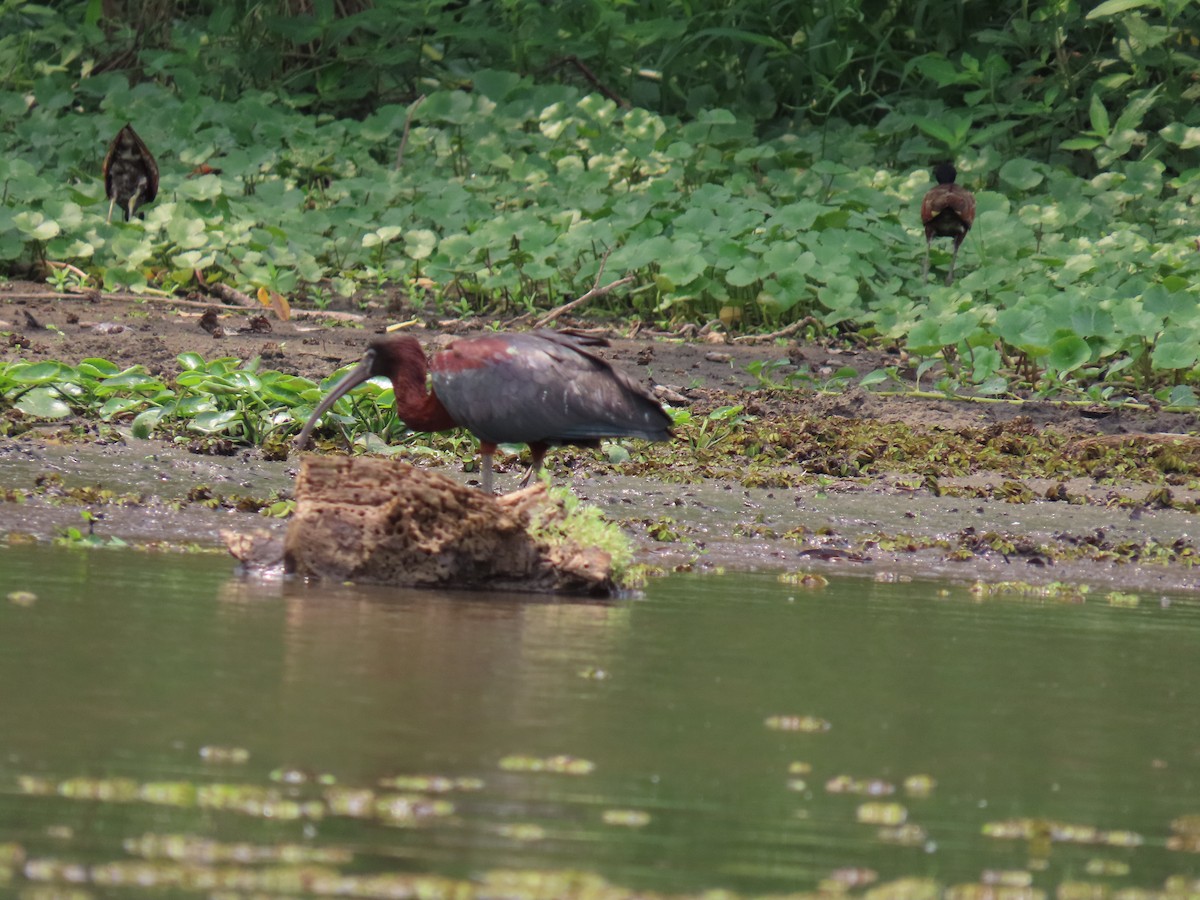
(412, 111)
(595, 292)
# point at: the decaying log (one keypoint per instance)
(385, 522)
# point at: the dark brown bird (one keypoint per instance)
(948, 210)
(542, 388)
(130, 173)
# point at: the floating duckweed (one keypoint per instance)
(225, 755)
(892, 578)
(849, 877)
(1189, 824)
(1110, 867)
(808, 724)
(992, 892)
(1118, 598)
(594, 673)
(1019, 878)
(391, 809)
(1186, 843)
(881, 814)
(797, 784)
(111, 790)
(1084, 890)
(289, 776)
(919, 785)
(908, 835)
(1123, 839)
(800, 768)
(195, 849)
(168, 793)
(522, 831)
(809, 580)
(11, 858)
(869, 787)
(431, 784)
(407, 809)
(1055, 590)
(1060, 832)
(629, 818)
(1181, 884)
(354, 803)
(35, 785)
(22, 598)
(565, 765)
(905, 889)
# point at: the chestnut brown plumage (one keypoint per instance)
(948, 210)
(130, 173)
(541, 388)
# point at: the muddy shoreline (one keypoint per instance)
(698, 513)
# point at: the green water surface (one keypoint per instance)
(171, 730)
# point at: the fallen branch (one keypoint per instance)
(590, 76)
(595, 292)
(774, 335)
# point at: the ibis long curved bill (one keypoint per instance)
(352, 379)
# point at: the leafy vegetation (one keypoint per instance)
(767, 170)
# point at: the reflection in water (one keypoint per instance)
(726, 732)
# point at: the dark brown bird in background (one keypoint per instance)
(947, 211)
(130, 173)
(541, 389)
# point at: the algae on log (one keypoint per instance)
(382, 521)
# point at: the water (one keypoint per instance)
(152, 702)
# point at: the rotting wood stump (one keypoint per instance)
(376, 521)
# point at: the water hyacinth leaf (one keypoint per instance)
(1069, 353)
(130, 381)
(216, 422)
(98, 368)
(42, 373)
(118, 405)
(143, 424)
(1022, 174)
(43, 403)
(1175, 354)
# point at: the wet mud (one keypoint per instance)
(1014, 513)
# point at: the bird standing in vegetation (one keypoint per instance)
(947, 211)
(541, 389)
(130, 173)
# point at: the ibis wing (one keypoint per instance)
(542, 387)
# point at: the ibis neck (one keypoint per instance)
(416, 405)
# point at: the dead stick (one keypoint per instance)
(590, 295)
(590, 76)
(412, 111)
(781, 333)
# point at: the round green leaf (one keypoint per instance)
(43, 403)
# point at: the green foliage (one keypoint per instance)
(225, 397)
(787, 191)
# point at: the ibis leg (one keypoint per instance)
(953, 260)
(538, 452)
(111, 204)
(925, 267)
(486, 471)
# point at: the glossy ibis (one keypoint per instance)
(541, 388)
(130, 173)
(947, 211)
